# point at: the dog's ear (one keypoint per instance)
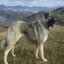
(46, 15)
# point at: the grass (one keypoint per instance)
(2, 29)
(2, 33)
(54, 50)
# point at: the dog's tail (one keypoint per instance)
(4, 43)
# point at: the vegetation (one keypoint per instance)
(59, 14)
(54, 50)
(2, 33)
(54, 47)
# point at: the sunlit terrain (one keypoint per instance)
(54, 49)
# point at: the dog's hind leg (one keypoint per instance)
(6, 54)
(12, 51)
(9, 48)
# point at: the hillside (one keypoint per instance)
(7, 17)
(54, 50)
(59, 15)
(34, 16)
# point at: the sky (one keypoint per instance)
(33, 3)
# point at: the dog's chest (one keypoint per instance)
(45, 36)
(41, 33)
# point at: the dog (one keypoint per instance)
(35, 28)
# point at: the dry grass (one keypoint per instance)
(2, 33)
(2, 29)
(54, 50)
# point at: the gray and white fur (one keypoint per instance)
(36, 29)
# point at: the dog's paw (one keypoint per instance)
(44, 59)
(14, 55)
(37, 57)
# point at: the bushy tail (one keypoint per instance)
(4, 43)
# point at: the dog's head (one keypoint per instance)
(50, 20)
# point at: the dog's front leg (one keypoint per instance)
(37, 51)
(42, 52)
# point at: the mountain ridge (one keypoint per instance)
(25, 8)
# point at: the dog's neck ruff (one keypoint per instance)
(40, 31)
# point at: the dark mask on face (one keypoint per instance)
(51, 22)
